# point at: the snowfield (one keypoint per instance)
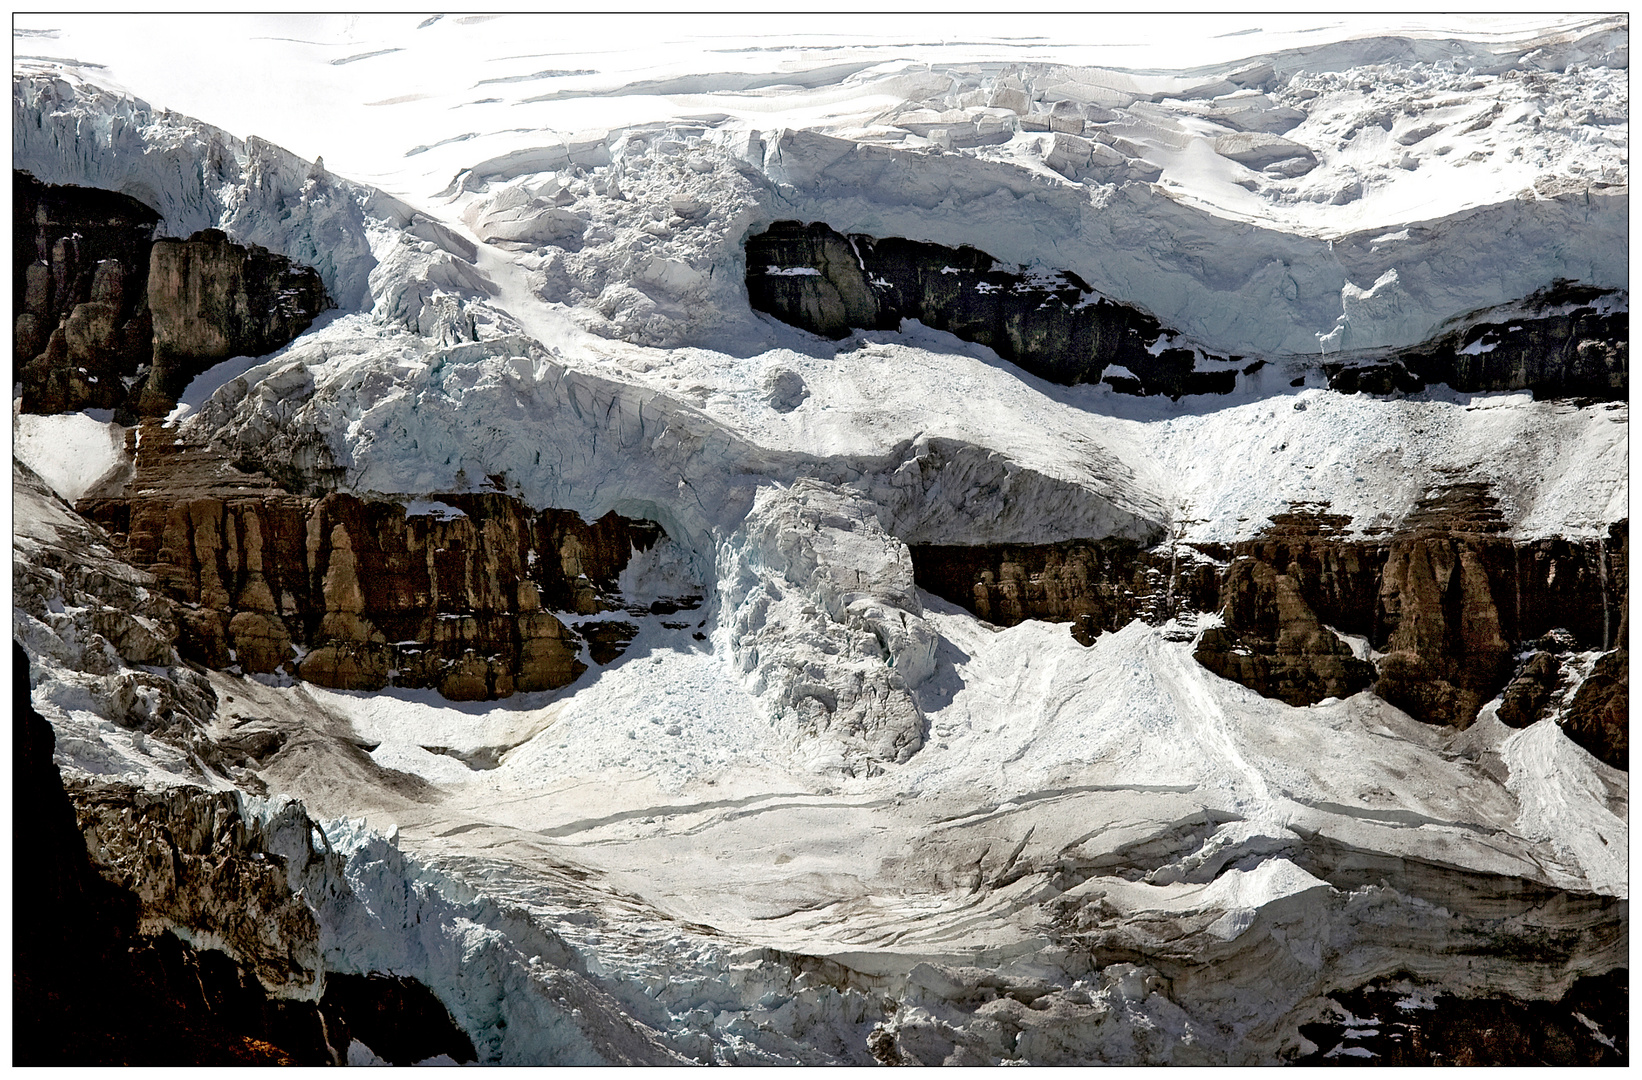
(738, 840)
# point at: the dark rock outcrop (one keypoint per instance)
(1096, 585)
(397, 1017)
(1385, 1025)
(355, 594)
(1598, 718)
(1568, 340)
(79, 293)
(1052, 325)
(1529, 692)
(95, 981)
(108, 317)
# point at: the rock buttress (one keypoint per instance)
(108, 317)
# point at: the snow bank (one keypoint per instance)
(71, 452)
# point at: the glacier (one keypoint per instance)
(828, 816)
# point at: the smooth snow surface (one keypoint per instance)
(824, 788)
(72, 452)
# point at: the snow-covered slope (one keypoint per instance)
(830, 789)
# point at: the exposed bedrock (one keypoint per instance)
(79, 294)
(457, 595)
(1395, 1022)
(211, 299)
(1565, 340)
(1096, 585)
(1050, 324)
(110, 318)
(1440, 614)
(100, 973)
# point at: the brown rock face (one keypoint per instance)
(1526, 696)
(211, 299)
(1446, 601)
(356, 594)
(109, 318)
(79, 291)
(1096, 585)
(1447, 653)
(1274, 643)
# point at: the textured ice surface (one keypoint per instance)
(536, 246)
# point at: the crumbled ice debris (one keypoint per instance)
(1595, 1030)
(1418, 998)
(1351, 1051)
(1163, 341)
(434, 509)
(792, 271)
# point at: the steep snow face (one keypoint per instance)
(72, 452)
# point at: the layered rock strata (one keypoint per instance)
(108, 317)
(1565, 340)
(1052, 325)
(1440, 612)
(457, 595)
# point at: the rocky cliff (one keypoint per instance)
(211, 299)
(99, 974)
(80, 293)
(1446, 612)
(1051, 324)
(1564, 340)
(1096, 585)
(110, 318)
(457, 594)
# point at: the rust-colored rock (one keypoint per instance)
(1274, 643)
(1599, 716)
(356, 595)
(106, 317)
